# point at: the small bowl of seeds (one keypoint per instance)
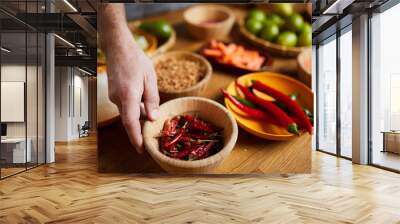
(181, 73)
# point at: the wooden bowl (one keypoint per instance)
(206, 22)
(150, 50)
(304, 72)
(208, 110)
(161, 46)
(151, 40)
(273, 48)
(194, 90)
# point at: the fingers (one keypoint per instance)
(143, 114)
(150, 96)
(130, 114)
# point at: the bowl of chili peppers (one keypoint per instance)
(191, 135)
(271, 105)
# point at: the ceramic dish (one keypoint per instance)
(239, 70)
(280, 82)
(304, 66)
(206, 22)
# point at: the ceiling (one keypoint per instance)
(332, 15)
(72, 20)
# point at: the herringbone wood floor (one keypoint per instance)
(71, 191)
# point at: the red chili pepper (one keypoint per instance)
(185, 138)
(197, 124)
(177, 136)
(276, 112)
(197, 136)
(254, 113)
(164, 141)
(294, 107)
(170, 125)
(201, 151)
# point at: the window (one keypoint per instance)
(385, 89)
(22, 78)
(327, 96)
(346, 92)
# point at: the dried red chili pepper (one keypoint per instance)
(276, 112)
(180, 133)
(170, 126)
(201, 151)
(292, 105)
(200, 125)
(188, 139)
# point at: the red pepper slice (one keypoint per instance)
(276, 112)
(292, 105)
(251, 112)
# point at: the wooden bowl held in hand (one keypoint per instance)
(208, 110)
(206, 22)
(193, 90)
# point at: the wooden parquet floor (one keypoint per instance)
(71, 191)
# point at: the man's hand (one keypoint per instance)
(131, 75)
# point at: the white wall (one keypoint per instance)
(71, 93)
(33, 126)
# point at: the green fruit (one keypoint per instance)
(256, 14)
(306, 27)
(305, 39)
(141, 41)
(269, 32)
(160, 28)
(283, 9)
(294, 22)
(276, 19)
(287, 38)
(254, 26)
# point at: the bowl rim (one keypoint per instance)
(220, 8)
(202, 59)
(300, 60)
(229, 143)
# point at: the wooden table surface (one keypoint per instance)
(250, 155)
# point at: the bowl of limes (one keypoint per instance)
(282, 28)
(162, 30)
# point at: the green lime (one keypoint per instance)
(306, 27)
(256, 14)
(283, 9)
(254, 26)
(305, 39)
(160, 28)
(141, 41)
(276, 19)
(287, 38)
(269, 32)
(294, 22)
